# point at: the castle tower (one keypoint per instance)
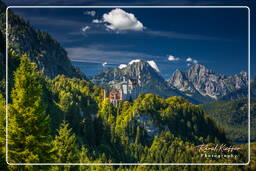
(105, 94)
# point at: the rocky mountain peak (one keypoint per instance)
(180, 80)
(243, 74)
(142, 64)
(206, 82)
(178, 73)
(145, 72)
(178, 77)
(199, 69)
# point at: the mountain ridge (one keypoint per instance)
(205, 82)
(150, 79)
(41, 48)
(199, 84)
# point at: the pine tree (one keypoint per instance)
(83, 158)
(28, 129)
(64, 147)
(2, 132)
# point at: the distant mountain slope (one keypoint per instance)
(202, 82)
(198, 84)
(233, 117)
(242, 92)
(148, 77)
(180, 80)
(42, 49)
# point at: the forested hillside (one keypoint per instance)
(90, 129)
(41, 48)
(232, 116)
(56, 115)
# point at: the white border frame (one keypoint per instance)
(162, 164)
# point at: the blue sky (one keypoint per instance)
(173, 38)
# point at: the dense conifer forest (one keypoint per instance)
(57, 115)
(66, 120)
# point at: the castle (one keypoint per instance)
(128, 89)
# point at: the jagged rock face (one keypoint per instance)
(46, 52)
(145, 122)
(150, 81)
(204, 81)
(241, 92)
(180, 81)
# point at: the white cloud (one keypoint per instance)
(86, 28)
(153, 65)
(192, 60)
(121, 66)
(172, 58)
(195, 61)
(189, 59)
(99, 54)
(91, 13)
(120, 20)
(97, 21)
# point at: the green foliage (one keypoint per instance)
(2, 62)
(232, 116)
(175, 114)
(94, 131)
(2, 132)
(75, 101)
(64, 145)
(28, 130)
(65, 148)
(86, 157)
(103, 133)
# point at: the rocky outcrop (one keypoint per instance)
(199, 79)
(241, 92)
(145, 121)
(180, 80)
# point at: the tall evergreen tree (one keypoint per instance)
(2, 131)
(65, 148)
(28, 130)
(84, 158)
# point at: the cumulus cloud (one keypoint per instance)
(97, 21)
(189, 59)
(192, 60)
(90, 13)
(99, 53)
(85, 28)
(172, 58)
(120, 20)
